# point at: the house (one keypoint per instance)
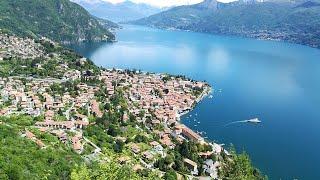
(40, 143)
(49, 115)
(135, 148)
(191, 135)
(76, 144)
(191, 165)
(95, 108)
(148, 155)
(61, 135)
(205, 154)
(137, 167)
(157, 148)
(125, 117)
(154, 143)
(211, 168)
(123, 159)
(30, 135)
(167, 141)
(217, 149)
(155, 122)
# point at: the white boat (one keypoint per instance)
(255, 120)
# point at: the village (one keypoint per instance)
(11, 46)
(155, 102)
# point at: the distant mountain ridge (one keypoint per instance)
(59, 20)
(125, 11)
(292, 21)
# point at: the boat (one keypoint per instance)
(211, 96)
(255, 121)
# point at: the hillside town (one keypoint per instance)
(11, 46)
(65, 107)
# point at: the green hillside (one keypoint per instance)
(60, 20)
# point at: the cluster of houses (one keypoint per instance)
(162, 101)
(32, 98)
(161, 98)
(12, 46)
(22, 98)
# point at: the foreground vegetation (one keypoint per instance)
(23, 159)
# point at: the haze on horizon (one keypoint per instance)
(158, 3)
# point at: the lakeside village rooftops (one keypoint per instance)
(63, 124)
(192, 166)
(11, 46)
(161, 101)
(190, 134)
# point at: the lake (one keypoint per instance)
(277, 82)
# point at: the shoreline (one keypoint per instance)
(269, 39)
(204, 94)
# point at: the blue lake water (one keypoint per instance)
(277, 82)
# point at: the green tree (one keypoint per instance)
(170, 175)
(80, 173)
(239, 168)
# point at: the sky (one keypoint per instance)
(164, 3)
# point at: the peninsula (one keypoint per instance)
(60, 104)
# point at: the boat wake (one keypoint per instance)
(253, 121)
(235, 122)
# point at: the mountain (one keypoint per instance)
(292, 21)
(60, 20)
(125, 11)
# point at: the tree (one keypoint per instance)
(240, 167)
(113, 130)
(112, 170)
(170, 175)
(140, 138)
(80, 173)
(118, 146)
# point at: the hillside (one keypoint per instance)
(125, 11)
(60, 20)
(296, 22)
(63, 117)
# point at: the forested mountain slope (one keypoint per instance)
(60, 20)
(291, 21)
